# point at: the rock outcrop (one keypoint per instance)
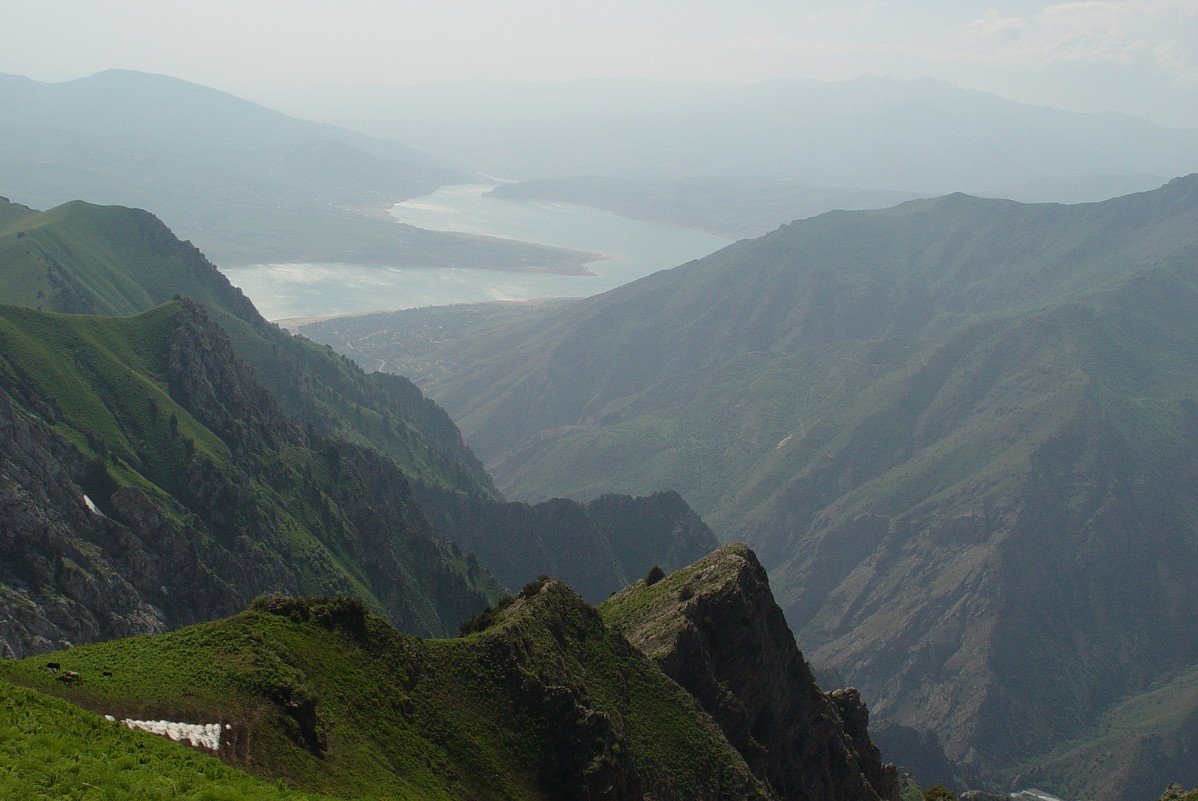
(596, 547)
(715, 628)
(128, 510)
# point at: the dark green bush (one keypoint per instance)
(938, 792)
(486, 618)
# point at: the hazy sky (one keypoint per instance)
(1138, 56)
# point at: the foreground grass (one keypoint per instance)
(50, 749)
(546, 702)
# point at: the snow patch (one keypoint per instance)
(200, 735)
(92, 506)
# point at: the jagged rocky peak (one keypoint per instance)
(715, 628)
(574, 673)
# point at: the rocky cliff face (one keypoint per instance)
(73, 574)
(596, 547)
(135, 511)
(714, 627)
(566, 664)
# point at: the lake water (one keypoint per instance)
(633, 249)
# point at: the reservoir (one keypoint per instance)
(632, 249)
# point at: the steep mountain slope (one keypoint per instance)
(85, 259)
(149, 482)
(959, 432)
(1145, 741)
(715, 629)
(546, 703)
(597, 547)
(246, 183)
(114, 260)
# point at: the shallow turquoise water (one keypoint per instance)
(632, 248)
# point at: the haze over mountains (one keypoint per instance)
(958, 431)
(246, 183)
(920, 136)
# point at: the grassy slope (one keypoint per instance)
(107, 380)
(396, 716)
(107, 377)
(691, 378)
(112, 260)
(51, 749)
(1148, 740)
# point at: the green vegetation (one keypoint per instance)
(544, 703)
(1175, 792)
(909, 789)
(960, 432)
(637, 604)
(1140, 741)
(52, 750)
(158, 423)
(938, 793)
(326, 510)
(110, 260)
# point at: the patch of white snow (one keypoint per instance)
(201, 735)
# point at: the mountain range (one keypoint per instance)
(869, 133)
(542, 697)
(959, 432)
(166, 467)
(245, 183)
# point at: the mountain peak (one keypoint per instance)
(715, 628)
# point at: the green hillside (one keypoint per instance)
(83, 258)
(149, 482)
(1147, 740)
(110, 260)
(52, 749)
(959, 432)
(545, 703)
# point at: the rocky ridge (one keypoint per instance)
(597, 547)
(715, 628)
